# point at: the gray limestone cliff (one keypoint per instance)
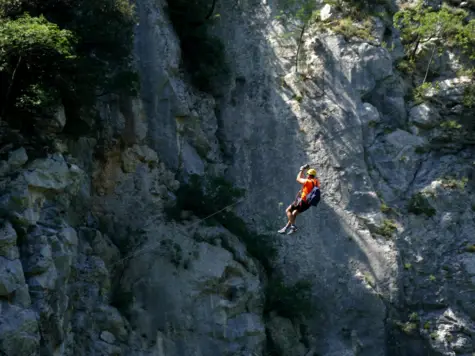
(107, 247)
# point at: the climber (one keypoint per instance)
(308, 196)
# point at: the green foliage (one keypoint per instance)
(22, 40)
(407, 65)
(454, 183)
(301, 10)
(356, 8)
(349, 28)
(450, 125)
(469, 96)
(291, 302)
(446, 28)
(418, 204)
(414, 316)
(387, 228)
(419, 94)
(28, 35)
(409, 327)
(8, 7)
(203, 55)
(470, 248)
(385, 208)
(64, 51)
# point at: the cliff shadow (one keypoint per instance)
(268, 131)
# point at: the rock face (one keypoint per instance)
(99, 256)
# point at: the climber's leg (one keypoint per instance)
(299, 209)
(293, 217)
(288, 212)
(290, 209)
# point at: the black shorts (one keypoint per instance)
(299, 205)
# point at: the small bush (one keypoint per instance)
(291, 302)
(469, 96)
(450, 125)
(349, 28)
(408, 327)
(387, 229)
(419, 94)
(418, 204)
(356, 8)
(421, 150)
(454, 183)
(414, 316)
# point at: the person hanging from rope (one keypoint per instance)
(308, 195)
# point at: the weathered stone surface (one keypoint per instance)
(424, 115)
(370, 118)
(111, 273)
(53, 173)
(19, 333)
(395, 159)
(107, 337)
(326, 12)
(192, 162)
(17, 158)
(137, 154)
(8, 239)
(11, 276)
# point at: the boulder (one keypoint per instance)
(424, 115)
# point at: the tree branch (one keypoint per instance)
(11, 84)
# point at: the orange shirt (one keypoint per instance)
(308, 186)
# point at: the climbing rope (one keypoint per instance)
(151, 247)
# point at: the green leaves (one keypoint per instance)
(28, 36)
(300, 10)
(447, 26)
(64, 51)
(32, 49)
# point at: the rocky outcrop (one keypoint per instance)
(99, 256)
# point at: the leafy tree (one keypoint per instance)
(446, 28)
(32, 50)
(303, 11)
(99, 39)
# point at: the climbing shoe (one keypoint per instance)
(283, 230)
(293, 229)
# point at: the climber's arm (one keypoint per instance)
(300, 177)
